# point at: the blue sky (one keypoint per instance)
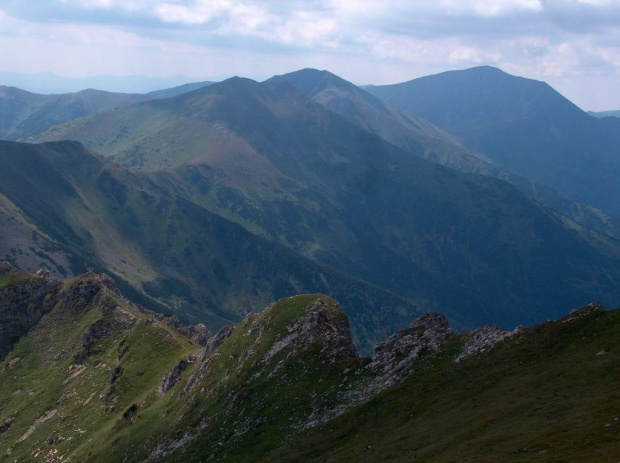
(572, 44)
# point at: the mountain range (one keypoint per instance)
(604, 113)
(142, 234)
(23, 112)
(425, 140)
(48, 83)
(293, 174)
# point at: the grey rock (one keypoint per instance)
(216, 341)
(482, 339)
(23, 305)
(173, 376)
(428, 332)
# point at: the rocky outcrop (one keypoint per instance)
(99, 290)
(392, 359)
(82, 290)
(6, 425)
(482, 339)
(5, 267)
(23, 303)
(204, 357)
(326, 327)
(198, 334)
(28, 298)
(114, 319)
(576, 314)
(217, 340)
(173, 376)
(426, 333)
(319, 326)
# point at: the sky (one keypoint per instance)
(574, 45)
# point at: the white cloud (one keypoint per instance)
(594, 2)
(491, 7)
(365, 41)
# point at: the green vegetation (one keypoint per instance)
(24, 112)
(281, 386)
(56, 398)
(546, 395)
(135, 229)
(12, 279)
(224, 199)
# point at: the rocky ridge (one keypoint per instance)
(26, 298)
(284, 371)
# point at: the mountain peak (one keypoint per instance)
(306, 73)
(485, 69)
(300, 322)
(312, 81)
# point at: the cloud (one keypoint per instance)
(363, 40)
(488, 8)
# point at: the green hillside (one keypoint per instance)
(545, 395)
(286, 384)
(88, 360)
(22, 112)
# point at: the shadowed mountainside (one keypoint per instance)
(523, 126)
(422, 139)
(294, 172)
(168, 253)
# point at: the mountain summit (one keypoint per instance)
(522, 125)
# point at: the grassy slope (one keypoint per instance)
(57, 404)
(239, 407)
(23, 112)
(23, 243)
(545, 395)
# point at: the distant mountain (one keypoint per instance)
(175, 91)
(403, 130)
(290, 170)
(88, 375)
(49, 83)
(23, 112)
(604, 113)
(523, 126)
(425, 140)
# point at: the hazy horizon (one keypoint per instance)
(573, 45)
